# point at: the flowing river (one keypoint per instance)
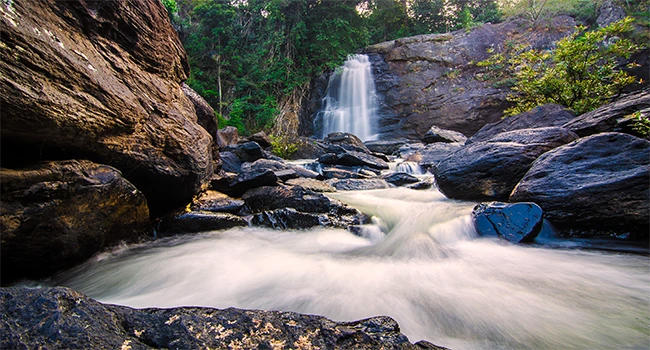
(421, 263)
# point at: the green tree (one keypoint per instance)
(583, 72)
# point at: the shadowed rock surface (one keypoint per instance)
(599, 183)
(612, 117)
(491, 169)
(64, 319)
(101, 80)
(198, 221)
(58, 214)
(543, 116)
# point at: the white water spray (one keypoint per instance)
(350, 104)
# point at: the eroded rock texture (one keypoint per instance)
(58, 214)
(64, 319)
(101, 80)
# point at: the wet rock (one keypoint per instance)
(216, 202)
(311, 184)
(600, 183)
(436, 134)
(65, 319)
(338, 173)
(261, 138)
(279, 197)
(246, 152)
(538, 117)
(228, 136)
(400, 179)
(198, 221)
(358, 184)
(286, 219)
(102, 80)
(278, 166)
(516, 223)
(308, 148)
(612, 117)
(57, 214)
(256, 178)
(434, 153)
(352, 158)
(388, 147)
(346, 141)
(230, 162)
(422, 185)
(490, 170)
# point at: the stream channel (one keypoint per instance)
(420, 262)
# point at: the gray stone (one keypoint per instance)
(436, 134)
(516, 223)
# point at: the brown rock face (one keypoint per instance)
(101, 80)
(59, 214)
(433, 79)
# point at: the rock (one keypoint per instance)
(207, 119)
(490, 170)
(64, 319)
(216, 202)
(436, 134)
(228, 136)
(58, 214)
(358, 184)
(308, 148)
(612, 117)
(352, 158)
(286, 219)
(516, 223)
(433, 79)
(198, 221)
(538, 117)
(599, 183)
(261, 138)
(347, 141)
(230, 162)
(256, 178)
(434, 153)
(408, 151)
(311, 184)
(400, 179)
(246, 152)
(338, 173)
(102, 80)
(388, 147)
(422, 185)
(609, 13)
(278, 197)
(280, 168)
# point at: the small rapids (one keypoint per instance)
(420, 263)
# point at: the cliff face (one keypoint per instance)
(433, 79)
(101, 80)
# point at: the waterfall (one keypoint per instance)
(350, 104)
(409, 168)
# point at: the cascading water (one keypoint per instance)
(421, 263)
(350, 104)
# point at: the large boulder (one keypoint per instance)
(612, 117)
(436, 134)
(60, 318)
(277, 197)
(430, 155)
(353, 158)
(516, 223)
(247, 151)
(58, 214)
(102, 80)
(347, 141)
(216, 202)
(490, 170)
(543, 116)
(198, 221)
(207, 119)
(599, 183)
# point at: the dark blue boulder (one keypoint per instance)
(514, 222)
